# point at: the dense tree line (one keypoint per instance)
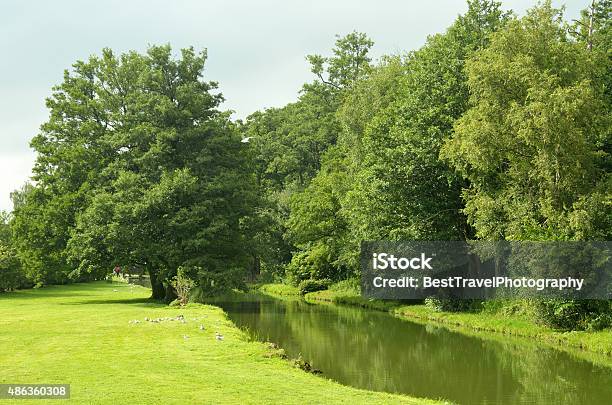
(496, 129)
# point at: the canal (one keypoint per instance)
(377, 351)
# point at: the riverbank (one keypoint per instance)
(97, 338)
(283, 290)
(596, 346)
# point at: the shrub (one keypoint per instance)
(211, 283)
(299, 269)
(314, 263)
(574, 314)
(11, 276)
(308, 286)
(600, 322)
(452, 304)
(350, 286)
(182, 285)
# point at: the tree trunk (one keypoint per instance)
(157, 287)
(169, 294)
(590, 35)
(255, 268)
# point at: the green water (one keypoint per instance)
(376, 351)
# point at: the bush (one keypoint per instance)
(314, 263)
(452, 304)
(308, 286)
(11, 276)
(182, 285)
(574, 314)
(350, 286)
(600, 322)
(210, 283)
(299, 269)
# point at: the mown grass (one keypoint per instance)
(82, 335)
(597, 344)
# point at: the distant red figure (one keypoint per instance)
(117, 270)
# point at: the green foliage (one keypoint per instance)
(402, 190)
(452, 305)
(136, 166)
(308, 286)
(349, 63)
(40, 229)
(182, 285)
(313, 263)
(317, 226)
(5, 228)
(574, 315)
(533, 144)
(11, 276)
(11, 272)
(289, 146)
(383, 178)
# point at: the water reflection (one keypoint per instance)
(376, 351)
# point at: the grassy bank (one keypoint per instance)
(85, 335)
(283, 290)
(597, 345)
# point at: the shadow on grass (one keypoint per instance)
(147, 302)
(70, 289)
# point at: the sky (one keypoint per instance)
(256, 48)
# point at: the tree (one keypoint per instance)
(11, 274)
(535, 146)
(349, 63)
(137, 166)
(594, 28)
(535, 143)
(402, 190)
(320, 218)
(316, 225)
(288, 144)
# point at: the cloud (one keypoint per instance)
(14, 172)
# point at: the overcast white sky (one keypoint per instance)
(256, 48)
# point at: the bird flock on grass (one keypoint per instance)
(178, 318)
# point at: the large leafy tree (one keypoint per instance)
(288, 144)
(535, 144)
(138, 167)
(383, 179)
(402, 190)
(321, 222)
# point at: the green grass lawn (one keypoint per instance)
(82, 335)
